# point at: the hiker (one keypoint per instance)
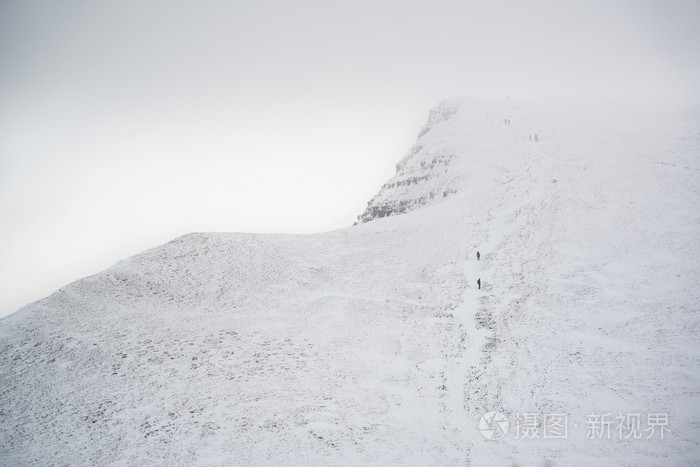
(478, 255)
(478, 282)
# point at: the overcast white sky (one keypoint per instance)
(124, 124)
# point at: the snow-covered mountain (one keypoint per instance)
(373, 344)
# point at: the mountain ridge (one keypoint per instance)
(373, 344)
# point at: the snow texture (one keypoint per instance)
(373, 344)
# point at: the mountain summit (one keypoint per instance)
(374, 344)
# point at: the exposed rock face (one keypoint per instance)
(421, 176)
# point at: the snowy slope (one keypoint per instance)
(372, 344)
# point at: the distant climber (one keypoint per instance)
(478, 256)
(536, 139)
(478, 282)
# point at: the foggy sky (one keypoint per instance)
(124, 124)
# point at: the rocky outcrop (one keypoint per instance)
(420, 175)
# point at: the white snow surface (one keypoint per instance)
(372, 344)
